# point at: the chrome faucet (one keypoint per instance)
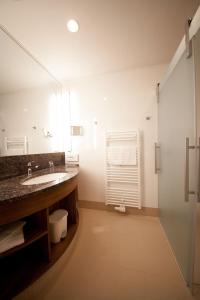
(51, 164)
(29, 172)
(30, 165)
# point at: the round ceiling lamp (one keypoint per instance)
(72, 25)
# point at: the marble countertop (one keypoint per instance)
(12, 189)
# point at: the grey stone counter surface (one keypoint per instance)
(12, 189)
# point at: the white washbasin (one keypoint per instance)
(46, 178)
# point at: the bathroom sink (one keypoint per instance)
(46, 178)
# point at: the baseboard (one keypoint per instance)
(145, 211)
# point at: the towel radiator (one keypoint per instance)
(16, 145)
(123, 169)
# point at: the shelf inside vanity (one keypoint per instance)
(23, 264)
(35, 228)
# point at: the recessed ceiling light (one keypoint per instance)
(72, 25)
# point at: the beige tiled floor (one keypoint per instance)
(113, 257)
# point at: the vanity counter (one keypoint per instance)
(12, 190)
(33, 204)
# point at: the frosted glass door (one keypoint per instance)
(196, 277)
(176, 121)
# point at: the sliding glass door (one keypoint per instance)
(196, 275)
(177, 138)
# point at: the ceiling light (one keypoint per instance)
(72, 25)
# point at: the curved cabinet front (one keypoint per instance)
(22, 265)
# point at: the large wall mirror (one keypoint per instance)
(33, 106)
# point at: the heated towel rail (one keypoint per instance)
(123, 168)
(16, 145)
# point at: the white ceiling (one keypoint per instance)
(114, 34)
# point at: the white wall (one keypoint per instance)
(39, 107)
(117, 101)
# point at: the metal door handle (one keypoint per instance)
(157, 167)
(187, 169)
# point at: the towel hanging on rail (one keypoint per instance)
(121, 155)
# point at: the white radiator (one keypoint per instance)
(16, 145)
(123, 168)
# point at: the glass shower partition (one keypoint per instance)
(176, 179)
(196, 274)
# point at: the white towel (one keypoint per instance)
(11, 235)
(118, 155)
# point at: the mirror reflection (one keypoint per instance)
(33, 107)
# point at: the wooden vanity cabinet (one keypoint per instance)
(23, 264)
